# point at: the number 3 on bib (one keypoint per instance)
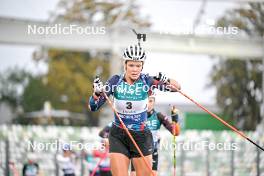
(129, 105)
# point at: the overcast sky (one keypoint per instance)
(192, 71)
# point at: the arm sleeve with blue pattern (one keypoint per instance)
(109, 86)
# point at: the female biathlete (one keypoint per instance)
(130, 93)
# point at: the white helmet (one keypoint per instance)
(134, 53)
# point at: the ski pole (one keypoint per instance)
(219, 119)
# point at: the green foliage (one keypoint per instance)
(35, 94)
(239, 82)
(71, 77)
(12, 83)
(67, 85)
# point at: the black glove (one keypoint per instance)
(162, 77)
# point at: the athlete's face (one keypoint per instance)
(133, 69)
(151, 103)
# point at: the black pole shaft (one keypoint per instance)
(255, 144)
(7, 169)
